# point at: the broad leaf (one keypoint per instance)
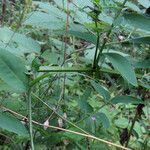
(145, 3)
(101, 90)
(122, 122)
(130, 5)
(145, 82)
(4, 86)
(123, 65)
(16, 43)
(137, 21)
(12, 71)
(10, 123)
(47, 16)
(102, 118)
(83, 103)
(80, 3)
(50, 9)
(95, 121)
(80, 32)
(52, 57)
(144, 64)
(126, 100)
(44, 21)
(139, 40)
(76, 10)
(14, 103)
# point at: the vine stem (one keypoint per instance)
(108, 33)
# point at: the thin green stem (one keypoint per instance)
(29, 100)
(30, 118)
(101, 49)
(97, 46)
(65, 69)
(69, 131)
(131, 129)
(39, 79)
(108, 33)
(49, 107)
(72, 70)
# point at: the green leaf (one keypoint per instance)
(101, 26)
(130, 5)
(123, 65)
(106, 18)
(140, 40)
(12, 71)
(17, 44)
(4, 86)
(10, 123)
(144, 85)
(101, 90)
(145, 82)
(89, 124)
(76, 10)
(52, 57)
(126, 100)
(122, 122)
(50, 9)
(102, 118)
(79, 31)
(14, 104)
(145, 3)
(44, 21)
(80, 3)
(46, 16)
(144, 64)
(137, 21)
(83, 103)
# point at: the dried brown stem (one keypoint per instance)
(66, 130)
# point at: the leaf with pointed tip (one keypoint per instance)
(122, 122)
(137, 21)
(12, 71)
(101, 90)
(144, 64)
(102, 118)
(46, 16)
(79, 31)
(138, 40)
(17, 43)
(144, 3)
(123, 66)
(126, 100)
(83, 103)
(45, 21)
(10, 123)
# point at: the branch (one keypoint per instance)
(66, 130)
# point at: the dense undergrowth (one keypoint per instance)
(75, 74)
